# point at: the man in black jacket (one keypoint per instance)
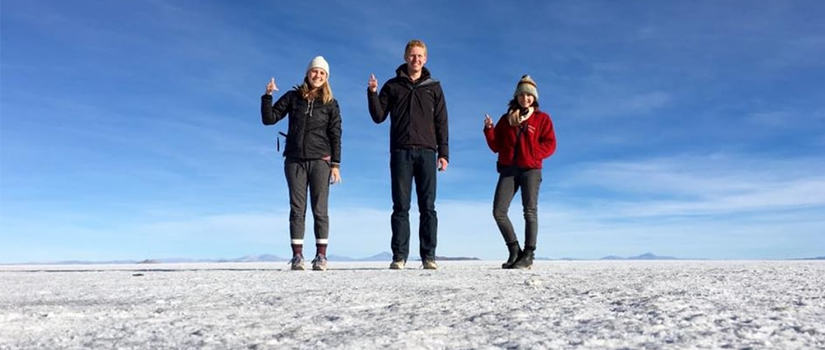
(418, 143)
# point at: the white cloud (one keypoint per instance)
(710, 185)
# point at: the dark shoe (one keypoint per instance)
(515, 251)
(525, 259)
(319, 263)
(297, 263)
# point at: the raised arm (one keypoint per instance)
(490, 133)
(494, 134)
(377, 101)
(271, 114)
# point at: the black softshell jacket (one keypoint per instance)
(417, 110)
(314, 127)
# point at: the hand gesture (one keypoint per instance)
(373, 83)
(271, 87)
(488, 122)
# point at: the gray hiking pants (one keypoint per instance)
(300, 175)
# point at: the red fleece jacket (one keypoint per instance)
(536, 141)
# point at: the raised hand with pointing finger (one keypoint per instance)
(271, 87)
(373, 83)
(488, 122)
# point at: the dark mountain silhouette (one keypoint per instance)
(254, 258)
(651, 256)
(645, 256)
(456, 258)
(383, 256)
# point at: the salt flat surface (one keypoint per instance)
(463, 305)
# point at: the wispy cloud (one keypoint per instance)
(712, 185)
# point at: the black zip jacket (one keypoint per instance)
(417, 110)
(314, 127)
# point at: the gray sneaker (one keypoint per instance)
(430, 265)
(397, 265)
(319, 263)
(297, 263)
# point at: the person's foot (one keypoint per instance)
(297, 263)
(515, 251)
(525, 259)
(397, 265)
(430, 265)
(319, 263)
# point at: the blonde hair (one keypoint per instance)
(414, 43)
(324, 92)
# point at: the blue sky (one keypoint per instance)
(131, 130)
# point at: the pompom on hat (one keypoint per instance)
(319, 62)
(527, 85)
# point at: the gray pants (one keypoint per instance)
(511, 180)
(314, 174)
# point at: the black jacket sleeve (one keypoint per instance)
(378, 104)
(271, 114)
(334, 134)
(442, 131)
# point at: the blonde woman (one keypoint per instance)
(312, 154)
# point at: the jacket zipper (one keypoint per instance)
(306, 124)
(518, 145)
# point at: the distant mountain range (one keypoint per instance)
(383, 256)
(645, 256)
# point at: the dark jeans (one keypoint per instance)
(406, 165)
(511, 180)
(301, 174)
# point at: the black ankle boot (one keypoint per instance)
(525, 259)
(515, 251)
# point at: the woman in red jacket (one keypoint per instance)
(523, 138)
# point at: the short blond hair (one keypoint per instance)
(414, 43)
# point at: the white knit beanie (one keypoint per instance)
(526, 84)
(319, 62)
